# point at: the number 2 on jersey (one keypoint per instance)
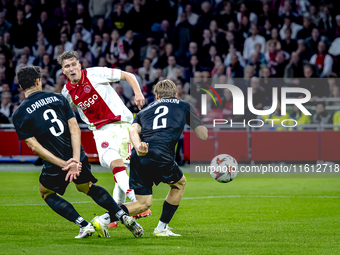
(54, 119)
(164, 120)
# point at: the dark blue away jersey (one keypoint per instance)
(164, 120)
(45, 116)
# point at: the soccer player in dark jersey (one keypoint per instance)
(47, 124)
(152, 160)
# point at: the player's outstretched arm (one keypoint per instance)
(75, 138)
(141, 148)
(201, 132)
(131, 79)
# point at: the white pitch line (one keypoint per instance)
(190, 198)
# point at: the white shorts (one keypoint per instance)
(113, 142)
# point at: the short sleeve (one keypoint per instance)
(192, 118)
(110, 74)
(137, 119)
(22, 132)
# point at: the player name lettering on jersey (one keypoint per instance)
(87, 103)
(169, 100)
(40, 103)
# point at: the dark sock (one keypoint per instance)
(168, 212)
(114, 218)
(104, 199)
(65, 209)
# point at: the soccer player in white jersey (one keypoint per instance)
(101, 108)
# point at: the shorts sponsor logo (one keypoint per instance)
(87, 89)
(105, 145)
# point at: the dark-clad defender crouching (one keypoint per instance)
(47, 124)
(152, 160)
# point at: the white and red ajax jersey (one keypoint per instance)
(97, 102)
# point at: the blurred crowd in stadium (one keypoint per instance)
(178, 40)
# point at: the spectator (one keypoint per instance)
(285, 11)
(321, 116)
(64, 12)
(147, 73)
(23, 62)
(182, 36)
(99, 9)
(205, 17)
(138, 13)
(83, 51)
(85, 34)
(266, 32)
(165, 31)
(5, 26)
(193, 67)
(154, 55)
(314, 14)
(43, 43)
(327, 22)
(133, 48)
(337, 26)
(323, 61)
(120, 92)
(39, 58)
(301, 118)
(293, 70)
(18, 31)
(6, 107)
(266, 16)
(295, 28)
(313, 41)
(191, 16)
(304, 54)
(102, 62)
(145, 52)
(170, 70)
(119, 19)
(117, 52)
(275, 35)
(226, 16)
(227, 101)
(48, 66)
(288, 44)
(252, 17)
(251, 41)
(258, 95)
(306, 31)
(64, 43)
(98, 48)
(66, 28)
(316, 88)
(6, 71)
(232, 51)
(100, 28)
(335, 94)
(282, 61)
(47, 26)
(234, 70)
(61, 81)
(163, 59)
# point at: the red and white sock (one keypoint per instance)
(122, 179)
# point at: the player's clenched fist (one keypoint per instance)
(142, 149)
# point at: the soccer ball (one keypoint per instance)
(223, 168)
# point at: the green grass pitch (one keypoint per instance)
(247, 216)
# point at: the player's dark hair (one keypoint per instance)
(165, 88)
(27, 76)
(67, 55)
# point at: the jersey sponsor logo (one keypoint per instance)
(40, 103)
(87, 103)
(87, 88)
(105, 145)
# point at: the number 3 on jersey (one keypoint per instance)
(54, 119)
(163, 120)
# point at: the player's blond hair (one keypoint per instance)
(67, 55)
(165, 88)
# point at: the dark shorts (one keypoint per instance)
(54, 179)
(149, 169)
